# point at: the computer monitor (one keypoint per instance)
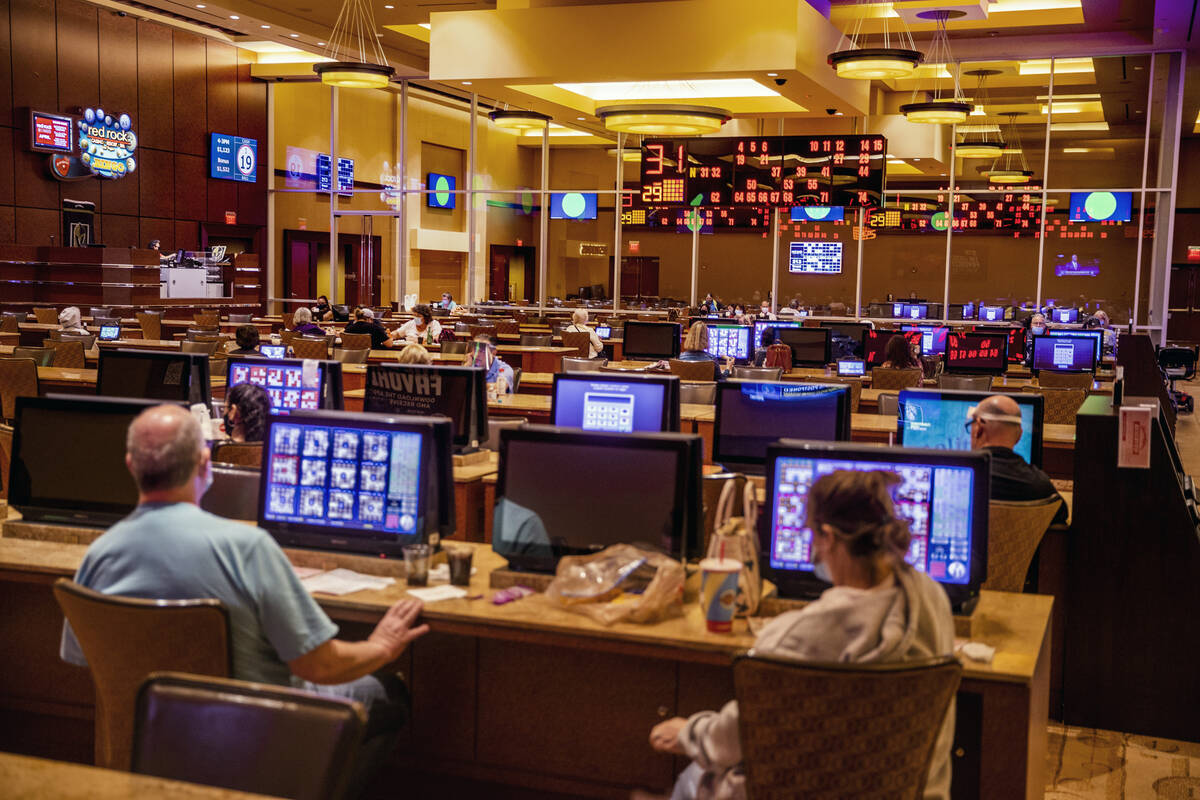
(991, 313)
(154, 375)
(615, 403)
(1064, 316)
(937, 419)
(752, 415)
(979, 353)
(811, 347)
(546, 494)
(604, 331)
(910, 310)
(933, 339)
(943, 495)
(273, 350)
(1063, 354)
(761, 325)
(459, 393)
(851, 367)
(45, 486)
(110, 333)
(655, 341)
(968, 311)
(847, 338)
(289, 383)
(876, 342)
(1097, 336)
(356, 482)
(732, 341)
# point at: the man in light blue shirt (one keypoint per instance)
(168, 548)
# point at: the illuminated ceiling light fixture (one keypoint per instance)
(855, 59)
(517, 120)
(985, 143)
(663, 120)
(1012, 167)
(938, 110)
(358, 61)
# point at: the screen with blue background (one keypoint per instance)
(991, 313)
(1064, 353)
(753, 415)
(1101, 206)
(762, 325)
(611, 406)
(939, 423)
(1095, 336)
(573, 205)
(233, 158)
(818, 213)
(933, 340)
(729, 340)
(1066, 316)
(441, 190)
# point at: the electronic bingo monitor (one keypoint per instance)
(614, 403)
(933, 339)
(875, 344)
(289, 383)
(1063, 354)
(761, 325)
(273, 350)
(937, 419)
(732, 341)
(978, 353)
(110, 333)
(1064, 316)
(942, 495)
(751, 415)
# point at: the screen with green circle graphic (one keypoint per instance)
(572, 205)
(1101, 206)
(441, 190)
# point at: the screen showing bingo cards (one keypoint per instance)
(732, 341)
(341, 477)
(284, 383)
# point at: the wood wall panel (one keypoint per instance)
(156, 102)
(119, 66)
(190, 91)
(8, 231)
(187, 235)
(120, 230)
(252, 123)
(6, 117)
(122, 196)
(90, 191)
(190, 191)
(32, 184)
(161, 229)
(222, 87)
(223, 196)
(79, 58)
(6, 168)
(34, 48)
(158, 182)
(37, 225)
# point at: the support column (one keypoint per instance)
(469, 294)
(337, 280)
(544, 218)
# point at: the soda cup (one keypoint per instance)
(718, 592)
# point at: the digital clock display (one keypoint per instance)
(765, 171)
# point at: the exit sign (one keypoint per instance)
(231, 218)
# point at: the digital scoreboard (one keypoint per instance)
(764, 171)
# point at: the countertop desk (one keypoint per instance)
(532, 694)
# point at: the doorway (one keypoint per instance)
(639, 277)
(306, 267)
(512, 273)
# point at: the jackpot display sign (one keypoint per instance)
(765, 171)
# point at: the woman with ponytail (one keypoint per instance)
(878, 609)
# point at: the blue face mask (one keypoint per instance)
(822, 572)
(1038, 330)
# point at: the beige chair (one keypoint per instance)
(454, 347)
(289, 319)
(68, 354)
(508, 327)
(1015, 530)
(1049, 379)
(495, 426)
(698, 393)
(889, 404)
(44, 356)
(352, 356)
(356, 341)
(151, 324)
(240, 319)
(10, 322)
(1061, 405)
(968, 383)
(241, 454)
(124, 639)
(536, 340)
(249, 737)
(580, 340)
(889, 378)
(6, 445)
(286, 337)
(18, 378)
(829, 731)
(570, 364)
(205, 348)
(209, 320)
(758, 373)
(87, 339)
(694, 370)
(304, 347)
(46, 316)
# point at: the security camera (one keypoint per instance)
(780, 81)
(831, 111)
(121, 14)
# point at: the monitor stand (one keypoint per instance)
(470, 454)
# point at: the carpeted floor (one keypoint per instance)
(1088, 764)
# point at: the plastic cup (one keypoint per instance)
(459, 559)
(718, 592)
(416, 564)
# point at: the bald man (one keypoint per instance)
(996, 427)
(168, 548)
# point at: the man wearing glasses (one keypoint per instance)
(995, 426)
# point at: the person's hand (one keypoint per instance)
(395, 630)
(728, 363)
(664, 737)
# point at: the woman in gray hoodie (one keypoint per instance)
(879, 609)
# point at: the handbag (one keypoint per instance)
(779, 355)
(737, 538)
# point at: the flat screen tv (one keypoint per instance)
(288, 384)
(655, 341)
(751, 415)
(154, 375)
(459, 393)
(616, 403)
(937, 419)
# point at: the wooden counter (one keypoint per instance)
(41, 779)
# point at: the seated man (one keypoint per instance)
(364, 322)
(168, 548)
(996, 427)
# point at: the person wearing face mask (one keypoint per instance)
(879, 609)
(1037, 327)
(168, 548)
(764, 311)
(247, 407)
(482, 354)
(995, 426)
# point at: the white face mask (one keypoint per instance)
(207, 479)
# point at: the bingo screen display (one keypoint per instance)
(284, 383)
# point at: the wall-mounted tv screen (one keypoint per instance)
(1073, 265)
(441, 190)
(1101, 206)
(573, 205)
(818, 213)
(821, 258)
(51, 133)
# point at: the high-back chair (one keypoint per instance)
(1062, 405)
(698, 393)
(1015, 529)
(44, 356)
(6, 444)
(828, 731)
(245, 454)
(495, 425)
(289, 319)
(10, 322)
(46, 316)
(969, 383)
(234, 492)
(536, 340)
(580, 340)
(888, 404)
(694, 370)
(476, 330)
(209, 320)
(286, 337)
(203, 335)
(570, 364)
(203, 347)
(758, 373)
(889, 378)
(67, 354)
(87, 339)
(508, 326)
(356, 341)
(305, 347)
(240, 319)
(1049, 379)
(18, 378)
(124, 639)
(352, 356)
(100, 311)
(151, 324)
(454, 347)
(250, 737)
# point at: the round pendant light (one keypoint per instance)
(1009, 176)
(663, 120)
(1010, 168)
(976, 147)
(515, 120)
(354, 74)
(982, 140)
(936, 112)
(875, 63)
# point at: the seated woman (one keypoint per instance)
(71, 321)
(246, 409)
(695, 348)
(421, 329)
(579, 318)
(302, 323)
(322, 310)
(899, 355)
(879, 609)
(247, 341)
(482, 354)
(768, 339)
(415, 354)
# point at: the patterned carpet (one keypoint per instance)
(1089, 764)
